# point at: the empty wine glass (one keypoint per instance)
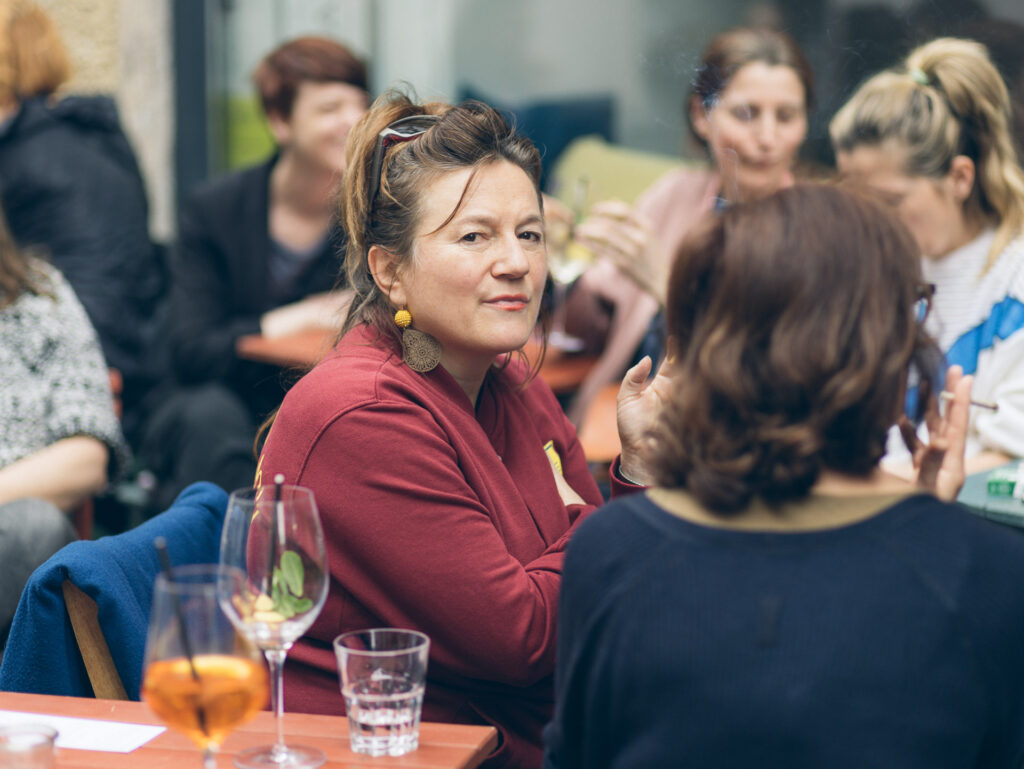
(201, 676)
(273, 534)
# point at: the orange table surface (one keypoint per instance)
(442, 746)
(563, 373)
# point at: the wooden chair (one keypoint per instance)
(92, 644)
(86, 609)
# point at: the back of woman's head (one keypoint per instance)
(793, 323)
(384, 211)
(946, 99)
(730, 51)
(305, 59)
(33, 60)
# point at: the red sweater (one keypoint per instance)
(438, 518)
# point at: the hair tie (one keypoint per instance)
(918, 76)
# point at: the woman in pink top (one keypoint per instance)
(748, 108)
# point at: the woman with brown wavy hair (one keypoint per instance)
(778, 600)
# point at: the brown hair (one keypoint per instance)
(306, 59)
(467, 136)
(795, 323)
(730, 51)
(33, 59)
(17, 274)
(946, 99)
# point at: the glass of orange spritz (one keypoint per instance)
(201, 676)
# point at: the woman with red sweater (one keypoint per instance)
(447, 477)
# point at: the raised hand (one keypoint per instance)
(939, 464)
(614, 231)
(639, 407)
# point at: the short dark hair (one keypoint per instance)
(795, 324)
(306, 59)
(730, 51)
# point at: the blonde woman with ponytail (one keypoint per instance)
(932, 136)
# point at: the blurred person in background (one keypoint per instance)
(748, 108)
(933, 137)
(60, 440)
(778, 599)
(71, 188)
(259, 251)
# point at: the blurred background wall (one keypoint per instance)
(180, 68)
(123, 47)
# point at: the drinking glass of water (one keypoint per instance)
(383, 674)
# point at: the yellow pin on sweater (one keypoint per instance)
(556, 461)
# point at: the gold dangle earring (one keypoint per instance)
(420, 351)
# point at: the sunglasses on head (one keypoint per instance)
(402, 130)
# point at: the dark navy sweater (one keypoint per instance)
(897, 641)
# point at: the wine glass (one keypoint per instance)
(201, 676)
(273, 534)
(567, 260)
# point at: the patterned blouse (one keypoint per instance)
(54, 382)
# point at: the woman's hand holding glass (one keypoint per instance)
(200, 676)
(273, 535)
(614, 231)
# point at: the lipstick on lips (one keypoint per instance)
(510, 302)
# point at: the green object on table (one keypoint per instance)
(1002, 481)
(998, 506)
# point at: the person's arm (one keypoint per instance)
(64, 473)
(80, 403)
(999, 379)
(621, 234)
(204, 323)
(320, 311)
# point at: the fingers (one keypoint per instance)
(909, 434)
(624, 237)
(613, 209)
(957, 412)
(636, 378)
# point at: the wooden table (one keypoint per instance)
(599, 431)
(302, 350)
(442, 746)
(563, 373)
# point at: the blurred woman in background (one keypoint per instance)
(779, 600)
(933, 137)
(259, 251)
(71, 189)
(748, 109)
(60, 440)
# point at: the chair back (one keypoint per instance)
(46, 653)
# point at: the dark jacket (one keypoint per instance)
(222, 284)
(71, 188)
